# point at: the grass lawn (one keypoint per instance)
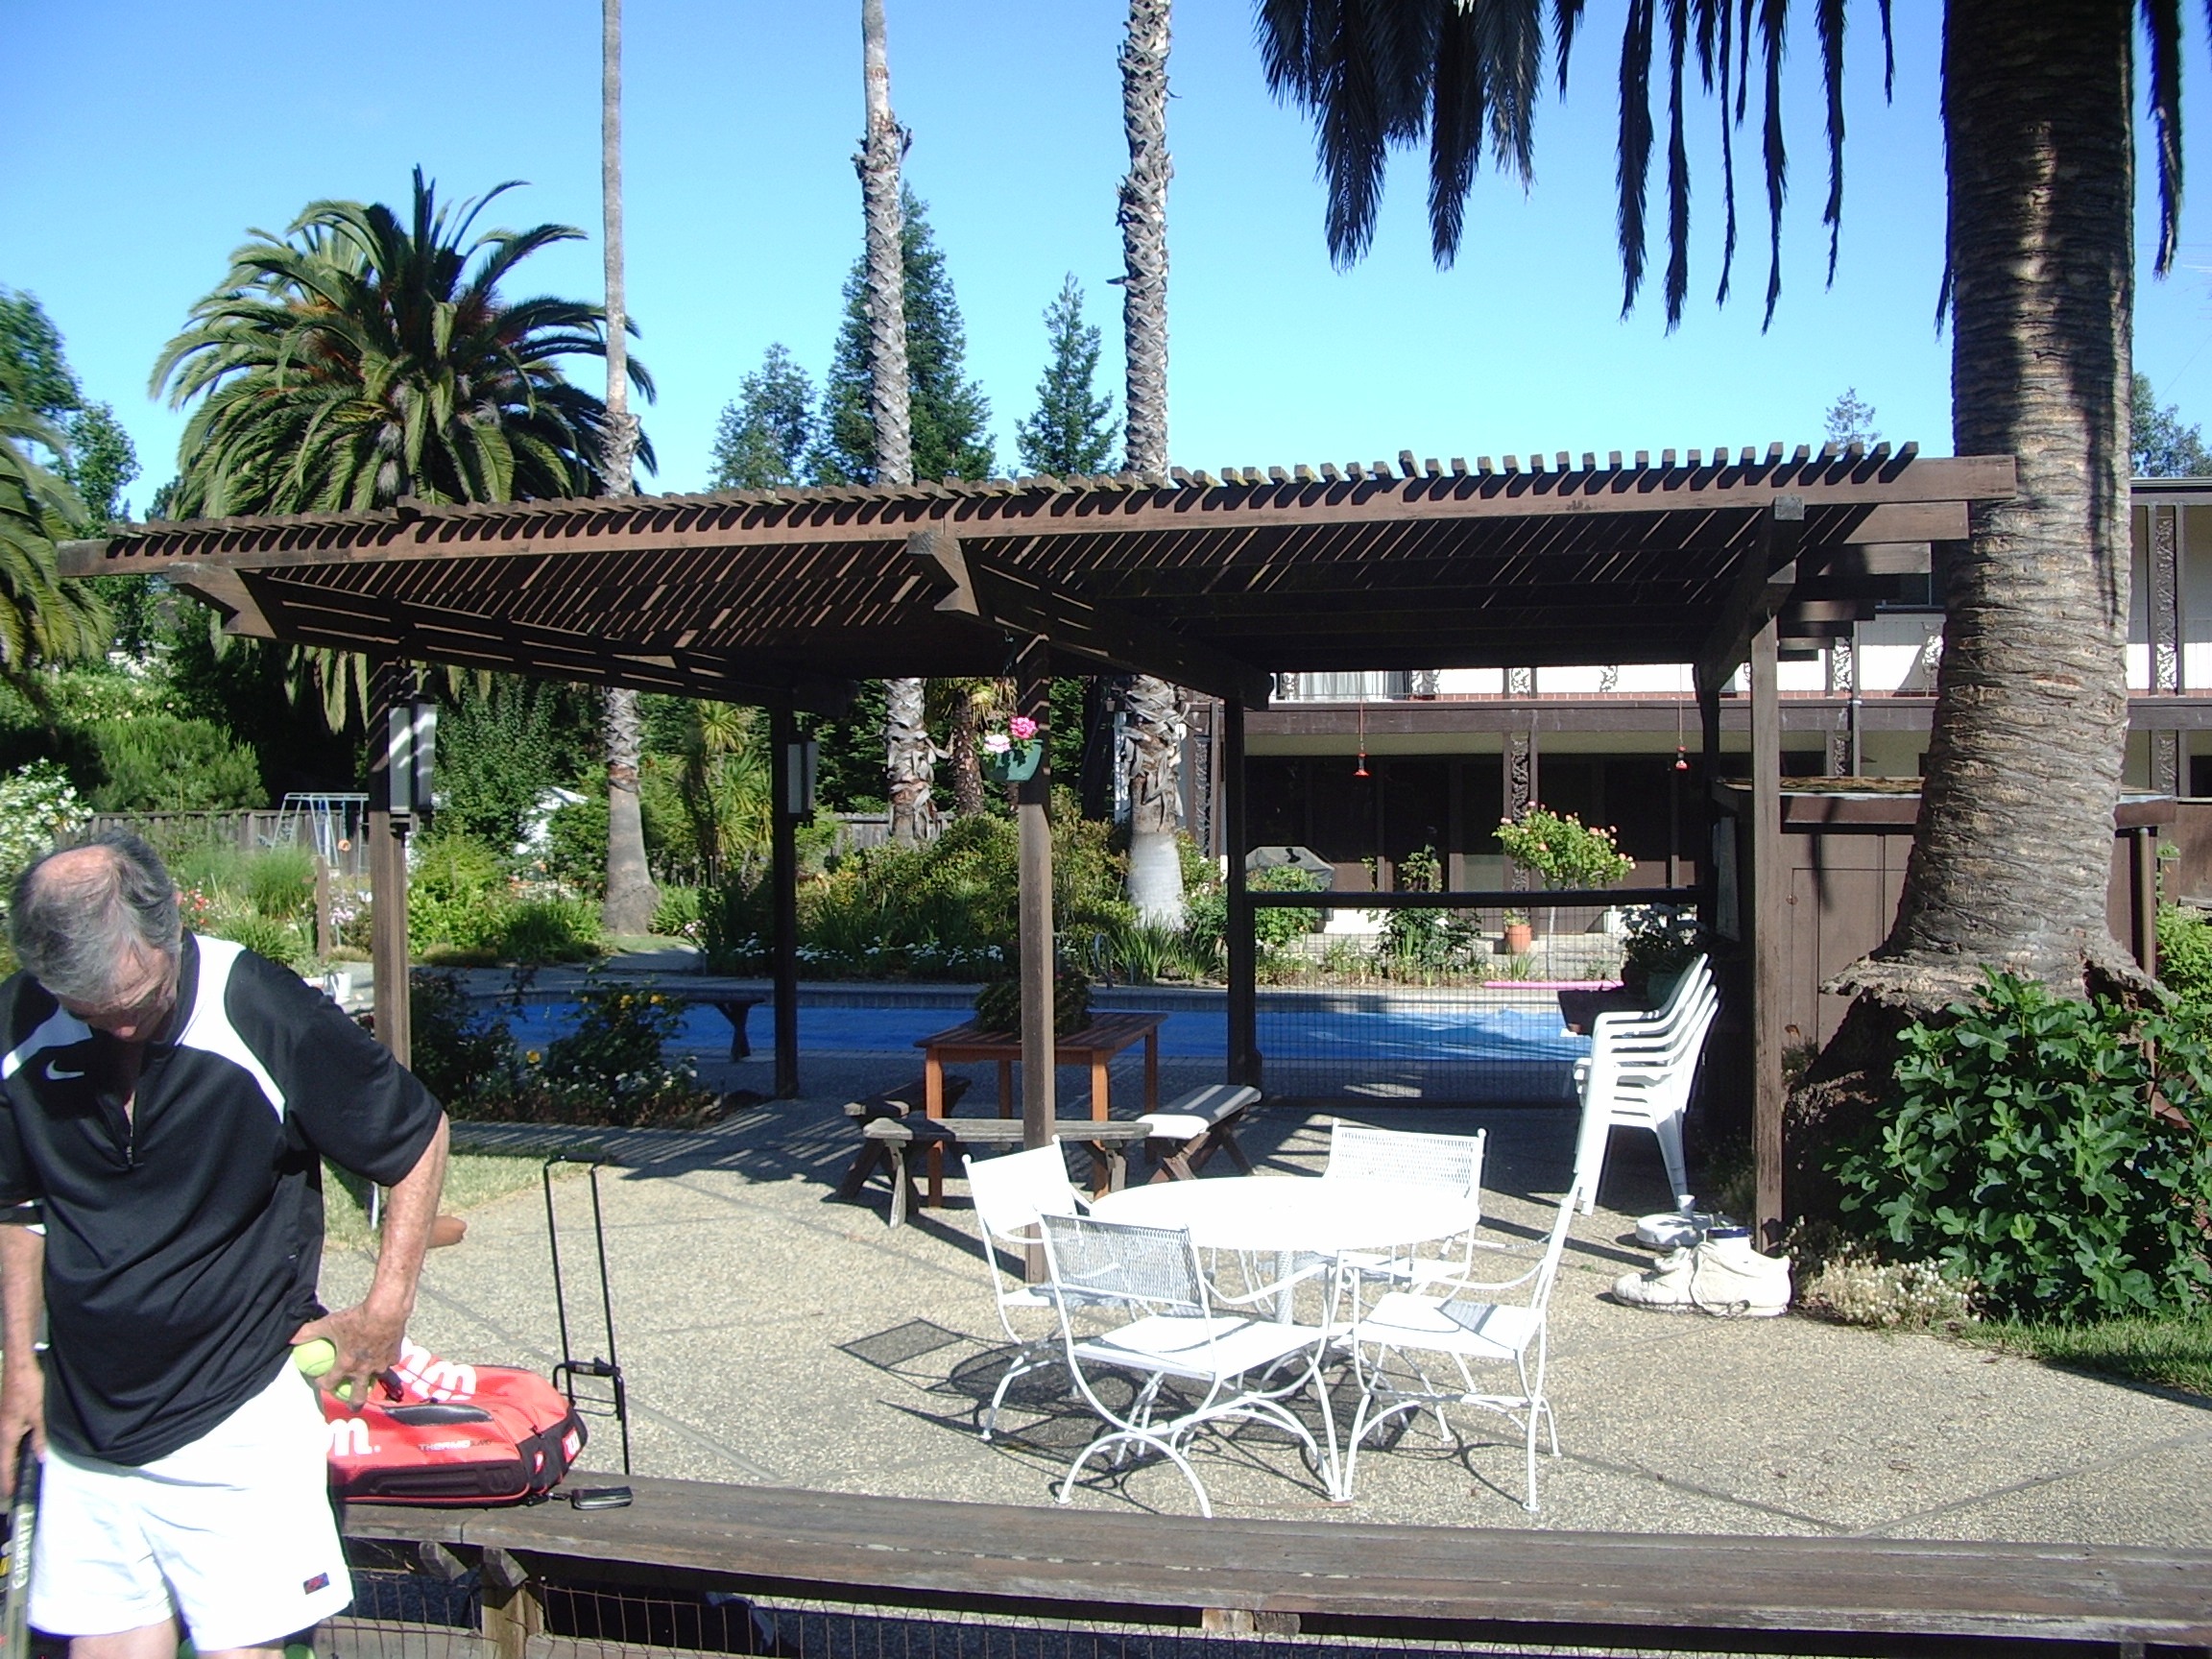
(2174, 1351)
(471, 1179)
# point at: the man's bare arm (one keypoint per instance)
(368, 1336)
(23, 1381)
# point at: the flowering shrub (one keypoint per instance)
(1854, 1286)
(38, 807)
(1563, 850)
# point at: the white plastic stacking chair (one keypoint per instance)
(1171, 1326)
(1421, 1350)
(1639, 1074)
(1010, 1191)
(1431, 1162)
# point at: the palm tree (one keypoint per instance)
(631, 898)
(909, 755)
(1152, 754)
(2010, 861)
(41, 616)
(362, 358)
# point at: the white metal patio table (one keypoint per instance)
(1289, 1216)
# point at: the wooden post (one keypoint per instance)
(1245, 1061)
(1033, 821)
(783, 885)
(513, 1617)
(1768, 922)
(325, 935)
(1708, 775)
(391, 683)
(2143, 887)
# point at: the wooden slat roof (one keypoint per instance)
(745, 594)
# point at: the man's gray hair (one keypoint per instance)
(74, 930)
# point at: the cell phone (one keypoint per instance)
(600, 1497)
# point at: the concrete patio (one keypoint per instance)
(772, 1334)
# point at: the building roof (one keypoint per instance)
(1214, 580)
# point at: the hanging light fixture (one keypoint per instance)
(1360, 770)
(1681, 757)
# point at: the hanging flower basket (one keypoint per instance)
(1014, 755)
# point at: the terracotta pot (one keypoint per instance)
(1520, 938)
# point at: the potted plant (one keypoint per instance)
(1519, 935)
(1564, 851)
(1014, 755)
(1662, 941)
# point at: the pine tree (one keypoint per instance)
(763, 437)
(1069, 432)
(1850, 419)
(950, 415)
(2161, 444)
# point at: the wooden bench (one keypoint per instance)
(1379, 1583)
(1190, 1129)
(900, 1144)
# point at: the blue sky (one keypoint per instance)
(145, 136)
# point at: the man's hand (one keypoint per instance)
(22, 1411)
(367, 1339)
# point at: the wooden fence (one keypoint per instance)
(248, 831)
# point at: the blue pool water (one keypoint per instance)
(1458, 1035)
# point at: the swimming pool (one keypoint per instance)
(1533, 1043)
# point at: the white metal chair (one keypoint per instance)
(1450, 1330)
(1010, 1192)
(1639, 1074)
(1434, 1163)
(1172, 1328)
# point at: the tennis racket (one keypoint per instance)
(22, 1528)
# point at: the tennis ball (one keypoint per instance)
(316, 1357)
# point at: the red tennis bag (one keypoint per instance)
(437, 1431)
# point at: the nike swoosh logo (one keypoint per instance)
(60, 1076)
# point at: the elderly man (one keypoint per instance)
(171, 1100)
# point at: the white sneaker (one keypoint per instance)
(1721, 1275)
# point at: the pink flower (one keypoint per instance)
(1023, 727)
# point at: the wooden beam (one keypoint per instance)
(1763, 585)
(994, 591)
(1033, 828)
(868, 517)
(783, 889)
(1769, 923)
(229, 593)
(1244, 1058)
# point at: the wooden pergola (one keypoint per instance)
(785, 598)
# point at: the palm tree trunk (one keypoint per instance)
(909, 757)
(2012, 855)
(910, 760)
(631, 898)
(1143, 215)
(960, 746)
(1154, 750)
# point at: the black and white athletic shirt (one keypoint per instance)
(183, 1244)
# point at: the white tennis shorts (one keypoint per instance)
(234, 1532)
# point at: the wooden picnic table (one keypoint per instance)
(1095, 1045)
